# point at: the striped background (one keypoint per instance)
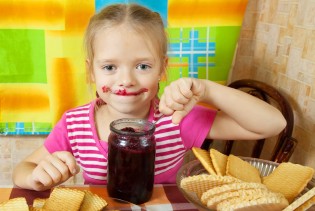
(42, 70)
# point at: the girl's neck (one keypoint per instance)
(112, 114)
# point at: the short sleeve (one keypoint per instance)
(58, 140)
(195, 127)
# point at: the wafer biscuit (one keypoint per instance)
(204, 158)
(92, 202)
(228, 188)
(203, 182)
(272, 201)
(219, 161)
(289, 179)
(16, 204)
(240, 169)
(59, 196)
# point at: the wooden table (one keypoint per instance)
(165, 197)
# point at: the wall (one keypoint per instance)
(277, 46)
(14, 149)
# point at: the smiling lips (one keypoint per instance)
(123, 92)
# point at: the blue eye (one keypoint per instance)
(143, 67)
(109, 68)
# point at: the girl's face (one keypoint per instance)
(125, 71)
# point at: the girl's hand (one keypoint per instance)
(53, 170)
(180, 97)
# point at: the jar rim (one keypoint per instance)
(149, 127)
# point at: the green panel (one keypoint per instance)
(173, 74)
(226, 40)
(11, 127)
(30, 127)
(186, 34)
(202, 74)
(22, 56)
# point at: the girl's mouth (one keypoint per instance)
(123, 92)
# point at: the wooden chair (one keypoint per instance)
(285, 143)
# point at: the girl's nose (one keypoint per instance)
(126, 78)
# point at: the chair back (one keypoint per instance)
(285, 143)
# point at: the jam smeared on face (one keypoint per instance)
(123, 92)
(106, 89)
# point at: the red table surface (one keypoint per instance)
(165, 197)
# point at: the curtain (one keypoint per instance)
(42, 71)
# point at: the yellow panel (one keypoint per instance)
(187, 13)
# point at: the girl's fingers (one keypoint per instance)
(41, 177)
(58, 170)
(69, 160)
(180, 97)
(184, 87)
(179, 115)
(173, 105)
(163, 108)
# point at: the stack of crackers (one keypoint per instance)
(234, 184)
(61, 199)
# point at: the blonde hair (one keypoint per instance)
(141, 19)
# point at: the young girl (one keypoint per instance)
(126, 56)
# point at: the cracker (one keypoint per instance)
(203, 182)
(219, 161)
(204, 157)
(247, 194)
(36, 209)
(240, 169)
(271, 201)
(229, 188)
(39, 202)
(92, 202)
(64, 199)
(16, 204)
(308, 204)
(289, 179)
(301, 200)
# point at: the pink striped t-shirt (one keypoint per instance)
(76, 133)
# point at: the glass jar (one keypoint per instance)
(131, 158)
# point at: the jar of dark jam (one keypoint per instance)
(131, 157)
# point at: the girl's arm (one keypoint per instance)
(240, 115)
(42, 170)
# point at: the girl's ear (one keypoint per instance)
(165, 63)
(89, 70)
(164, 68)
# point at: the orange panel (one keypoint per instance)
(32, 14)
(204, 13)
(24, 97)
